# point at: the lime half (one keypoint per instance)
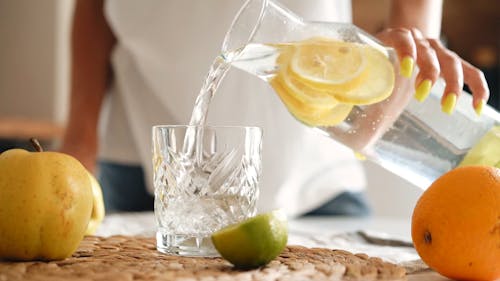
(253, 242)
(486, 151)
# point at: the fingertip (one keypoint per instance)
(449, 103)
(423, 89)
(478, 106)
(406, 66)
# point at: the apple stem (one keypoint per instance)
(36, 144)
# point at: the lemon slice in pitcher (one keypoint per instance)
(293, 104)
(309, 114)
(299, 90)
(351, 72)
(327, 62)
(378, 82)
(306, 94)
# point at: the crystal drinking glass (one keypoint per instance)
(205, 178)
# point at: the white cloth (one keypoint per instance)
(163, 53)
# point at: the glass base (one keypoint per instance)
(185, 245)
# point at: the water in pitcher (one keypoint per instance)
(337, 79)
(419, 143)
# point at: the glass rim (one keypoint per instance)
(155, 127)
(237, 17)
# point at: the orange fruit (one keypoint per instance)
(456, 224)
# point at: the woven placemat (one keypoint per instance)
(136, 258)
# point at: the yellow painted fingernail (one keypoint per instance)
(449, 103)
(359, 156)
(406, 67)
(423, 90)
(479, 107)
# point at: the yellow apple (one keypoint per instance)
(45, 205)
(98, 206)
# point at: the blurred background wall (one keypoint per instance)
(34, 73)
(34, 69)
(469, 28)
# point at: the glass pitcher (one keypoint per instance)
(359, 99)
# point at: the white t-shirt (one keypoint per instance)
(164, 51)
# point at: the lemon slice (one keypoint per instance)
(352, 73)
(334, 116)
(295, 87)
(309, 114)
(305, 93)
(253, 242)
(377, 84)
(294, 104)
(325, 61)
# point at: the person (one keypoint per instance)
(136, 64)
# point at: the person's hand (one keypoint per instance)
(434, 61)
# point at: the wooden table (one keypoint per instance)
(327, 232)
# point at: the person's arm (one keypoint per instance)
(424, 15)
(413, 30)
(91, 44)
